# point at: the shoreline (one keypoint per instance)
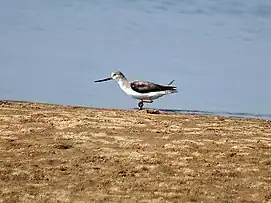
(166, 111)
(64, 153)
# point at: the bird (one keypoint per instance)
(144, 91)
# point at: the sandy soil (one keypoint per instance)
(54, 153)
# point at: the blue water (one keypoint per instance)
(218, 52)
(224, 114)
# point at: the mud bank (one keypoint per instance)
(54, 153)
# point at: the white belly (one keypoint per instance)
(149, 96)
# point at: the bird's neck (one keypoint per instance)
(122, 82)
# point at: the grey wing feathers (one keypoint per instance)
(146, 87)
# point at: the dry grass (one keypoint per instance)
(53, 153)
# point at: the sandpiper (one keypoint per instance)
(143, 91)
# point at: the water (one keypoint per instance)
(218, 52)
(224, 114)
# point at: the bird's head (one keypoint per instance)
(117, 75)
(114, 76)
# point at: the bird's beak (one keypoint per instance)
(102, 80)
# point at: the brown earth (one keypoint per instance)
(54, 153)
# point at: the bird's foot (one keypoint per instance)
(140, 105)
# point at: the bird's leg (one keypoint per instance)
(147, 101)
(140, 105)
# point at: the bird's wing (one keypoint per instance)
(146, 87)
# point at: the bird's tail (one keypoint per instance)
(173, 90)
(170, 88)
